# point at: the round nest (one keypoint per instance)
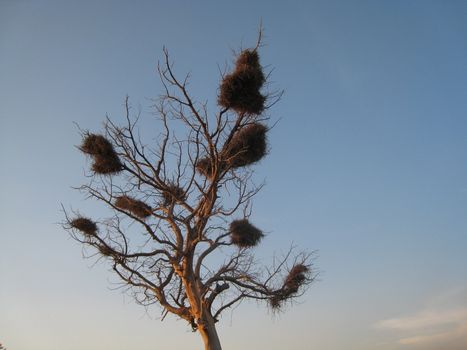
(247, 146)
(243, 234)
(96, 145)
(173, 194)
(85, 225)
(106, 160)
(136, 207)
(240, 90)
(106, 166)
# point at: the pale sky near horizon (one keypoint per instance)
(368, 165)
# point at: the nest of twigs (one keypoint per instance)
(105, 159)
(240, 90)
(85, 225)
(204, 167)
(297, 277)
(247, 146)
(243, 234)
(134, 206)
(172, 194)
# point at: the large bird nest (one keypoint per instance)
(173, 194)
(243, 234)
(297, 277)
(247, 146)
(106, 160)
(85, 225)
(240, 90)
(134, 206)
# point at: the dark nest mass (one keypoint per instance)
(240, 90)
(243, 234)
(173, 194)
(85, 225)
(297, 277)
(247, 146)
(106, 160)
(134, 206)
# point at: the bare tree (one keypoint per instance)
(180, 234)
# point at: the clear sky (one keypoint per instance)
(368, 165)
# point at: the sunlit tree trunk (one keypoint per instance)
(209, 334)
(202, 317)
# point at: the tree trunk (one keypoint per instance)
(209, 334)
(203, 318)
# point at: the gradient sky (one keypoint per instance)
(368, 165)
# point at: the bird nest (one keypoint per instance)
(105, 159)
(85, 225)
(173, 194)
(134, 206)
(240, 90)
(204, 167)
(247, 146)
(297, 277)
(243, 234)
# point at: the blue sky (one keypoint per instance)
(368, 165)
